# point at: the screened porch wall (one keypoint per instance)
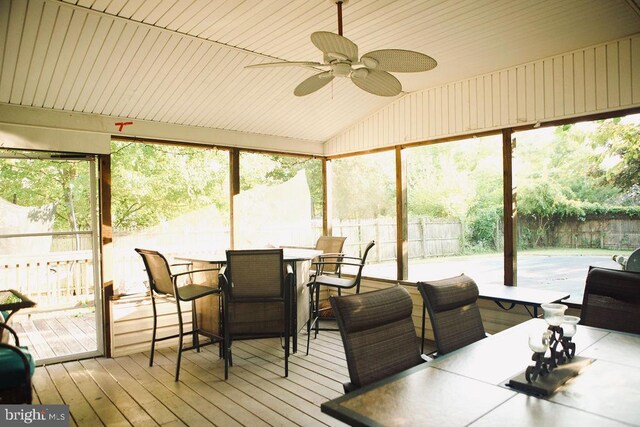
(597, 79)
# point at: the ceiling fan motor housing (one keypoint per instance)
(341, 69)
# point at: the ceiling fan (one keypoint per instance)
(370, 72)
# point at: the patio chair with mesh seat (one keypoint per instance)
(378, 334)
(330, 273)
(612, 300)
(331, 246)
(453, 309)
(257, 301)
(164, 284)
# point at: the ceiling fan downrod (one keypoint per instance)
(339, 5)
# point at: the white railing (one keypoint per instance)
(53, 280)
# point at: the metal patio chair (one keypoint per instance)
(164, 283)
(329, 273)
(453, 310)
(378, 334)
(257, 298)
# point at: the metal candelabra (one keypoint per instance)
(561, 350)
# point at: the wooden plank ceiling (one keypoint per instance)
(182, 61)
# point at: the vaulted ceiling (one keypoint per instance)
(183, 61)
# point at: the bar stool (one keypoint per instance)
(332, 262)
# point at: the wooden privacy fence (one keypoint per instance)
(427, 237)
(612, 233)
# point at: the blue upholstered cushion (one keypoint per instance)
(12, 367)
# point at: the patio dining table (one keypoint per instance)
(298, 258)
(468, 386)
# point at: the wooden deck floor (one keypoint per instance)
(126, 391)
(56, 334)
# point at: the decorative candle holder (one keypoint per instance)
(554, 339)
(557, 354)
(539, 344)
(569, 326)
(554, 313)
(551, 348)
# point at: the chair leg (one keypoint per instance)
(228, 361)
(194, 326)
(226, 337)
(317, 313)
(226, 365)
(226, 353)
(153, 333)
(286, 353)
(180, 332)
(311, 317)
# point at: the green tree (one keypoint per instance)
(258, 169)
(30, 180)
(153, 183)
(618, 146)
(364, 186)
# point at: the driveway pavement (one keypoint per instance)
(553, 272)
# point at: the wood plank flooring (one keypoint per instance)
(56, 334)
(126, 391)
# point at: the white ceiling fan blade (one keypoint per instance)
(330, 43)
(398, 60)
(286, 64)
(313, 83)
(376, 82)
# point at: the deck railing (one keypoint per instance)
(64, 279)
(53, 280)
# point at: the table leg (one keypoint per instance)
(299, 300)
(208, 308)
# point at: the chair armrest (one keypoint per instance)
(180, 263)
(183, 266)
(182, 273)
(341, 256)
(10, 329)
(289, 278)
(223, 283)
(338, 263)
(331, 255)
(175, 276)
